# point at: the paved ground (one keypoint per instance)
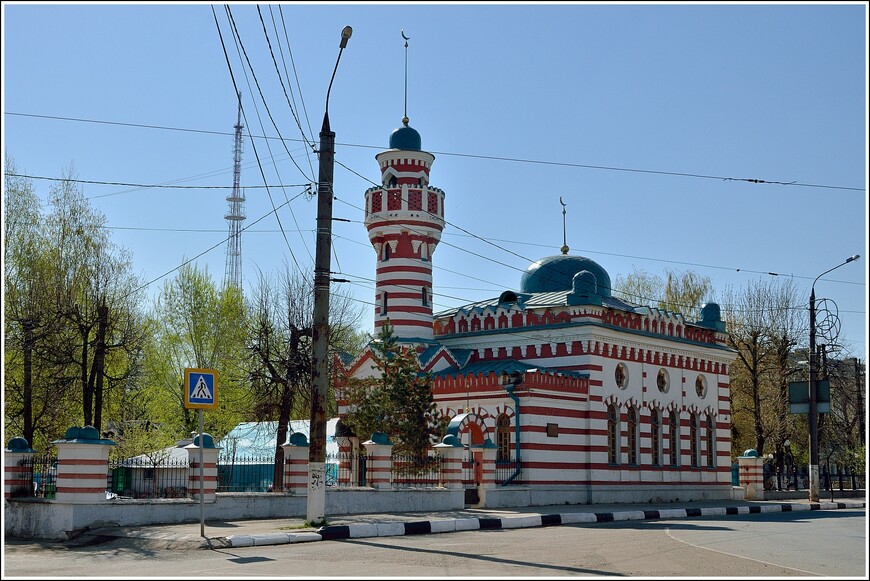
(245, 533)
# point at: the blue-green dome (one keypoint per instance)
(556, 273)
(405, 137)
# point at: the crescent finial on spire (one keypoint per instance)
(564, 248)
(407, 38)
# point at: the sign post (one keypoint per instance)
(200, 392)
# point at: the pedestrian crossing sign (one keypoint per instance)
(200, 388)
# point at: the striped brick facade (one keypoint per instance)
(404, 217)
(295, 468)
(81, 471)
(17, 477)
(209, 472)
(379, 464)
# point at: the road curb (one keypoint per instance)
(393, 529)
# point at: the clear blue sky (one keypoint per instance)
(646, 119)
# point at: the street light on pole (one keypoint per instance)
(316, 501)
(813, 414)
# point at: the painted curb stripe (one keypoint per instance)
(339, 532)
(550, 520)
(418, 528)
(335, 532)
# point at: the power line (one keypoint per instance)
(488, 157)
(164, 186)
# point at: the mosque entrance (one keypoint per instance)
(470, 431)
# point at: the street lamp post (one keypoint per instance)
(813, 414)
(316, 501)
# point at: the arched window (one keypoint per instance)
(632, 436)
(612, 434)
(386, 251)
(503, 438)
(425, 296)
(384, 297)
(674, 438)
(655, 437)
(693, 440)
(711, 441)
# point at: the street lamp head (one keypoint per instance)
(345, 35)
(853, 257)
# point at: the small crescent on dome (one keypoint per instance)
(405, 37)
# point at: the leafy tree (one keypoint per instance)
(279, 350)
(764, 325)
(678, 292)
(196, 324)
(399, 402)
(37, 393)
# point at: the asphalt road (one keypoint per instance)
(799, 544)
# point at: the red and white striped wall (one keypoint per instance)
(404, 219)
(81, 471)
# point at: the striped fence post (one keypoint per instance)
(17, 475)
(379, 454)
(209, 468)
(488, 450)
(451, 451)
(296, 464)
(752, 475)
(82, 465)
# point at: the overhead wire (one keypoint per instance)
(253, 144)
(284, 88)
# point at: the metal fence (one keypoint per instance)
(835, 478)
(346, 468)
(148, 477)
(504, 469)
(416, 470)
(245, 473)
(41, 471)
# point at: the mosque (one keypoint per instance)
(588, 398)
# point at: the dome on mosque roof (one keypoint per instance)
(405, 137)
(556, 273)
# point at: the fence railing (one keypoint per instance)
(837, 478)
(144, 477)
(41, 471)
(346, 468)
(504, 469)
(245, 473)
(416, 470)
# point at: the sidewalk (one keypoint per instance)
(247, 533)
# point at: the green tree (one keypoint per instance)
(196, 324)
(679, 292)
(279, 349)
(38, 395)
(399, 402)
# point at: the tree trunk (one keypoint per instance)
(27, 410)
(99, 366)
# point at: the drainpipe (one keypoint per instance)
(515, 379)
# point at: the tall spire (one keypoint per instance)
(236, 214)
(564, 248)
(405, 119)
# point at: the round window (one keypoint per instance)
(701, 386)
(662, 381)
(620, 374)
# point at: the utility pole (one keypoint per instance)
(320, 328)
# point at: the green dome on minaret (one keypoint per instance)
(405, 137)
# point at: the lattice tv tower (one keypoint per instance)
(236, 214)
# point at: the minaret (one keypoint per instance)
(404, 218)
